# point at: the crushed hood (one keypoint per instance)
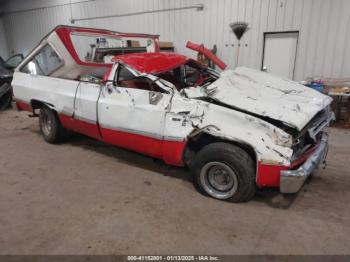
(265, 94)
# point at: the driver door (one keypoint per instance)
(131, 112)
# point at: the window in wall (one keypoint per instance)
(101, 48)
(43, 63)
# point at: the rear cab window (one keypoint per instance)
(44, 63)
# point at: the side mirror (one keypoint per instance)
(154, 97)
(90, 79)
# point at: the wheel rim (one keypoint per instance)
(45, 123)
(219, 180)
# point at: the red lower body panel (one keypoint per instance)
(170, 151)
(269, 175)
(79, 126)
(139, 143)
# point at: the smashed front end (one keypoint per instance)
(310, 148)
(286, 123)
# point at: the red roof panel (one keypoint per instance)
(151, 63)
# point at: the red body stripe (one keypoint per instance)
(82, 127)
(170, 151)
(139, 143)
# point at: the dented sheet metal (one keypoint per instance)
(266, 95)
(190, 117)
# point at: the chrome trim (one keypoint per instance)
(174, 138)
(133, 131)
(292, 180)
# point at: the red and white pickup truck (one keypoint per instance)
(236, 130)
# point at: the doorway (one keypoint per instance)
(279, 53)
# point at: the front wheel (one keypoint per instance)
(50, 126)
(225, 171)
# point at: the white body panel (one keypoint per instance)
(128, 109)
(59, 93)
(229, 125)
(86, 102)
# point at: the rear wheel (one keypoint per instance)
(225, 171)
(50, 126)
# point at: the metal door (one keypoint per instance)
(280, 49)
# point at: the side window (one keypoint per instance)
(43, 63)
(128, 80)
(123, 75)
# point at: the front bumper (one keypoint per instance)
(292, 180)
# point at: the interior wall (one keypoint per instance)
(4, 52)
(324, 27)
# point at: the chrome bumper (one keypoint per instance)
(14, 105)
(292, 180)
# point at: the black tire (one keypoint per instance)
(5, 99)
(50, 126)
(224, 171)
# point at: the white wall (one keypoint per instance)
(4, 53)
(324, 26)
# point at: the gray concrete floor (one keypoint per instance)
(85, 197)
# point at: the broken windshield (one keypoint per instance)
(188, 75)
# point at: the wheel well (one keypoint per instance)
(199, 141)
(37, 104)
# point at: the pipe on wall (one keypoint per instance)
(44, 7)
(199, 7)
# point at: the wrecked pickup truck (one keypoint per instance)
(237, 130)
(6, 72)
